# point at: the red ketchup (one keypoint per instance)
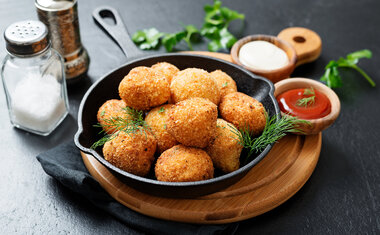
(293, 102)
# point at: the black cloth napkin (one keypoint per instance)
(65, 164)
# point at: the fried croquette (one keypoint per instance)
(193, 82)
(144, 88)
(111, 109)
(225, 83)
(225, 149)
(157, 121)
(133, 153)
(243, 111)
(184, 164)
(167, 69)
(192, 122)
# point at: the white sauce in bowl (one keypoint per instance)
(262, 55)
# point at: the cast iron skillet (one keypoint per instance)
(107, 88)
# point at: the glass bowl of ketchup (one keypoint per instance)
(308, 100)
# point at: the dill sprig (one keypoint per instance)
(309, 91)
(304, 102)
(131, 125)
(274, 130)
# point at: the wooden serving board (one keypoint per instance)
(271, 182)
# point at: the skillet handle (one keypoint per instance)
(118, 31)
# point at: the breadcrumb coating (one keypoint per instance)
(144, 88)
(243, 111)
(111, 109)
(184, 164)
(192, 122)
(133, 153)
(225, 83)
(225, 150)
(193, 82)
(157, 120)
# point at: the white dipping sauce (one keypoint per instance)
(262, 55)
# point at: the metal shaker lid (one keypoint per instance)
(54, 5)
(26, 38)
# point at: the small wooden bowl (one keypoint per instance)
(274, 75)
(301, 45)
(319, 124)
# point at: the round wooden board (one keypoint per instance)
(274, 180)
(271, 182)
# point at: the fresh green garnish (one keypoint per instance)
(225, 84)
(304, 102)
(102, 113)
(148, 38)
(130, 126)
(162, 109)
(274, 130)
(189, 34)
(165, 126)
(331, 75)
(215, 27)
(309, 91)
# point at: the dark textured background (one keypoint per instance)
(342, 195)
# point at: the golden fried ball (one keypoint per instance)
(184, 164)
(133, 153)
(225, 83)
(144, 88)
(194, 82)
(193, 122)
(157, 120)
(225, 150)
(243, 111)
(167, 69)
(111, 109)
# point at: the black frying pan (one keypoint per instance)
(107, 88)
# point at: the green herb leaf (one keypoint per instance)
(309, 91)
(102, 113)
(354, 57)
(192, 35)
(214, 45)
(147, 39)
(172, 39)
(230, 15)
(304, 102)
(215, 26)
(225, 84)
(162, 109)
(275, 129)
(227, 40)
(135, 123)
(331, 75)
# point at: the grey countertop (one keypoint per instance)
(342, 195)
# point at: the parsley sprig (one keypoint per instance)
(215, 28)
(332, 76)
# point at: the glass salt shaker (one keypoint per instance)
(33, 78)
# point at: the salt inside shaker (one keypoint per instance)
(33, 78)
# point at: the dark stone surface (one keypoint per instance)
(342, 195)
